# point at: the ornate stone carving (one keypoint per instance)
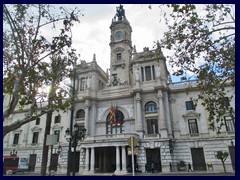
(100, 112)
(129, 109)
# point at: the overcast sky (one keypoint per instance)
(92, 34)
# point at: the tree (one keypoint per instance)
(26, 54)
(222, 155)
(202, 39)
(31, 62)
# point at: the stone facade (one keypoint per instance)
(154, 111)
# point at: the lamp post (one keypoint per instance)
(59, 149)
(13, 152)
(78, 134)
(71, 120)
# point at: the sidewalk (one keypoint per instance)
(196, 173)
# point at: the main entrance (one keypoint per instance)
(76, 160)
(198, 159)
(54, 162)
(232, 155)
(32, 162)
(153, 159)
(105, 159)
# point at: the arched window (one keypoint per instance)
(116, 125)
(80, 114)
(151, 107)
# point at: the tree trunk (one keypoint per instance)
(224, 166)
(45, 148)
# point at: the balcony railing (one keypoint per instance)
(184, 83)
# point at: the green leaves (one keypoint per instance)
(38, 59)
(222, 155)
(203, 41)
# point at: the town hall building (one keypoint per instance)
(148, 106)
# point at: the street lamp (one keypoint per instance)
(58, 150)
(71, 121)
(13, 152)
(78, 134)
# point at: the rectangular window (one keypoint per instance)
(83, 84)
(57, 119)
(148, 73)
(57, 132)
(229, 123)
(153, 70)
(226, 102)
(142, 71)
(119, 56)
(37, 121)
(100, 85)
(16, 138)
(35, 138)
(193, 128)
(189, 105)
(152, 126)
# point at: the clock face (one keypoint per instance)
(118, 35)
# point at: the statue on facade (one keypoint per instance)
(137, 74)
(120, 13)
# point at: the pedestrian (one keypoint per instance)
(152, 167)
(189, 167)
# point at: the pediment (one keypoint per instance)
(36, 129)
(57, 127)
(191, 114)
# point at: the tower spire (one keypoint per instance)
(94, 57)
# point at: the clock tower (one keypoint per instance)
(121, 48)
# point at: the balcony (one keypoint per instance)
(183, 84)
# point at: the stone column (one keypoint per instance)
(94, 118)
(161, 116)
(100, 160)
(117, 160)
(104, 160)
(92, 159)
(87, 160)
(124, 169)
(139, 126)
(168, 117)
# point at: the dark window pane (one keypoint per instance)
(119, 56)
(193, 129)
(83, 84)
(148, 73)
(16, 138)
(80, 114)
(226, 102)
(152, 126)
(229, 123)
(153, 70)
(57, 119)
(151, 107)
(142, 71)
(57, 132)
(37, 121)
(189, 105)
(35, 138)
